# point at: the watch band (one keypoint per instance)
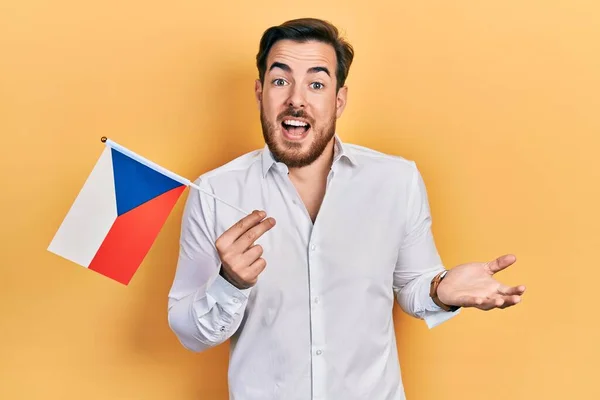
(435, 282)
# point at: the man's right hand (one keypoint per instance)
(241, 261)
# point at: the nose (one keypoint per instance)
(296, 98)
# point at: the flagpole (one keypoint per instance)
(216, 198)
(164, 171)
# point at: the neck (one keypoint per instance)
(319, 168)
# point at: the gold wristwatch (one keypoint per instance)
(435, 282)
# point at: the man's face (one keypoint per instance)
(299, 104)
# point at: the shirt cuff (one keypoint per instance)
(435, 318)
(434, 315)
(227, 296)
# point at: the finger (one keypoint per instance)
(255, 269)
(252, 254)
(482, 303)
(509, 291)
(239, 228)
(492, 302)
(510, 301)
(252, 234)
(501, 263)
(489, 303)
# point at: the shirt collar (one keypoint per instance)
(341, 151)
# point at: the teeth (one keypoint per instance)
(294, 122)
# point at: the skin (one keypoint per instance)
(296, 84)
(241, 259)
(301, 81)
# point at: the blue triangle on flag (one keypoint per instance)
(136, 183)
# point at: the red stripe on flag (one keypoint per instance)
(131, 237)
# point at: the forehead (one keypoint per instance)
(301, 56)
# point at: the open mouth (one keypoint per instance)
(295, 128)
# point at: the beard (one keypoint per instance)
(291, 153)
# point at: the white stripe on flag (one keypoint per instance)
(91, 216)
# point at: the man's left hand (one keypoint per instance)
(473, 285)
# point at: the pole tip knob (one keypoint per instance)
(103, 139)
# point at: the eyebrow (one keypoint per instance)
(314, 70)
(286, 68)
(282, 66)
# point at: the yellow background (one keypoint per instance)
(497, 101)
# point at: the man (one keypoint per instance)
(305, 288)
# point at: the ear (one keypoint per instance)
(342, 97)
(258, 92)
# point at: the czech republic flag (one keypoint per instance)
(118, 213)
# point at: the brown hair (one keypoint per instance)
(304, 30)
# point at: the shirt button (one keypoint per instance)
(313, 247)
(319, 352)
(235, 300)
(316, 300)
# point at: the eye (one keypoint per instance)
(279, 82)
(317, 85)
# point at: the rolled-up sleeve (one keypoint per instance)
(204, 310)
(418, 259)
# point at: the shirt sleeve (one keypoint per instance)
(204, 310)
(418, 259)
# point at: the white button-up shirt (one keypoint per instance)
(318, 324)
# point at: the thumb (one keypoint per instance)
(501, 263)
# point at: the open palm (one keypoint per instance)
(473, 285)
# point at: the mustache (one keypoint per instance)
(299, 113)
